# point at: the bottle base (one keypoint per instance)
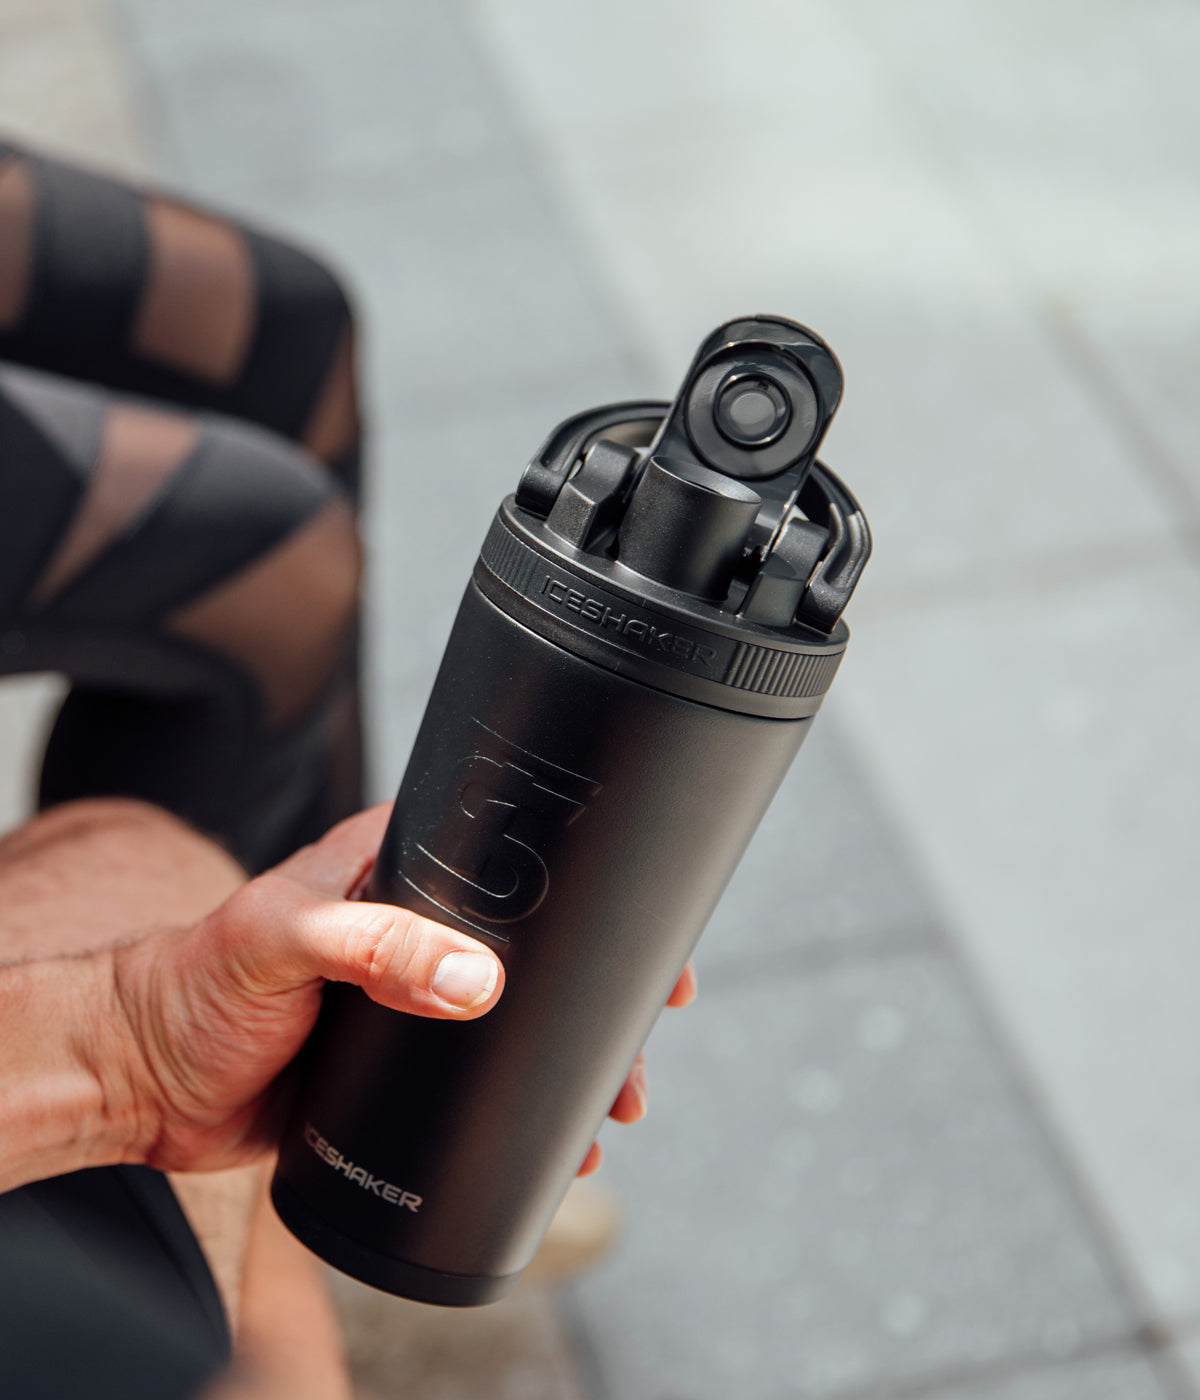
(396, 1276)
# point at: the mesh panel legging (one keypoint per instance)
(179, 442)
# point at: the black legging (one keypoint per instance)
(193, 573)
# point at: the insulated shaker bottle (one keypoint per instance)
(651, 625)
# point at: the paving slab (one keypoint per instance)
(1091, 172)
(1145, 352)
(1086, 185)
(638, 67)
(1127, 1376)
(1049, 776)
(282, 93)
(1187, 1357)
(64, 86)
(837, 1191)
(823, 875)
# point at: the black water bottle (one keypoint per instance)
(650, 628)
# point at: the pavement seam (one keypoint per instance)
(1110, 394)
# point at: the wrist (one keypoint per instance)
(66, 1101)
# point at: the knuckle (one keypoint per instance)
(386, 948)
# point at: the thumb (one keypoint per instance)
(277, 934)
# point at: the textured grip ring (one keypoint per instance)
(646, 639)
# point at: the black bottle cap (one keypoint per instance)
(697, 545)
(686, 526)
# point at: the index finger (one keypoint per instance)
(684, 991)
(335, 864)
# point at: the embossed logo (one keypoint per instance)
(485, 860)
(626, 624)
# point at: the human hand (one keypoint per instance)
(208, 1020)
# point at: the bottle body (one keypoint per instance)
(583, 825)
(652, 623)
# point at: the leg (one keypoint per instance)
(283, 1320)
(84, 876)
(153, 296)
(150, 295)
(198, 581)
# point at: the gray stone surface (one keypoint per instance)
(1147, 357)
(1088, 183)
(286, 94)
(1186, 1355)
(824, 873)
(1118, 1377)
(1058, 803)
(837, 1189)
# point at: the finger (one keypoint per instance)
(631, 1103)
(685, 989)
(591, 1161)
(276, 934)
(336, 863)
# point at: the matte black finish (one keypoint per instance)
(627, 682)
(686, 526)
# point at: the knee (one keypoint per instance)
(288, 614)
(116, 830)
(255, 316)
(332, 425)
(307, 328)
(127, 818)
(93, 872)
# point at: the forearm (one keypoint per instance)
(75, 882)
(58, 1113)
(169, 1048)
